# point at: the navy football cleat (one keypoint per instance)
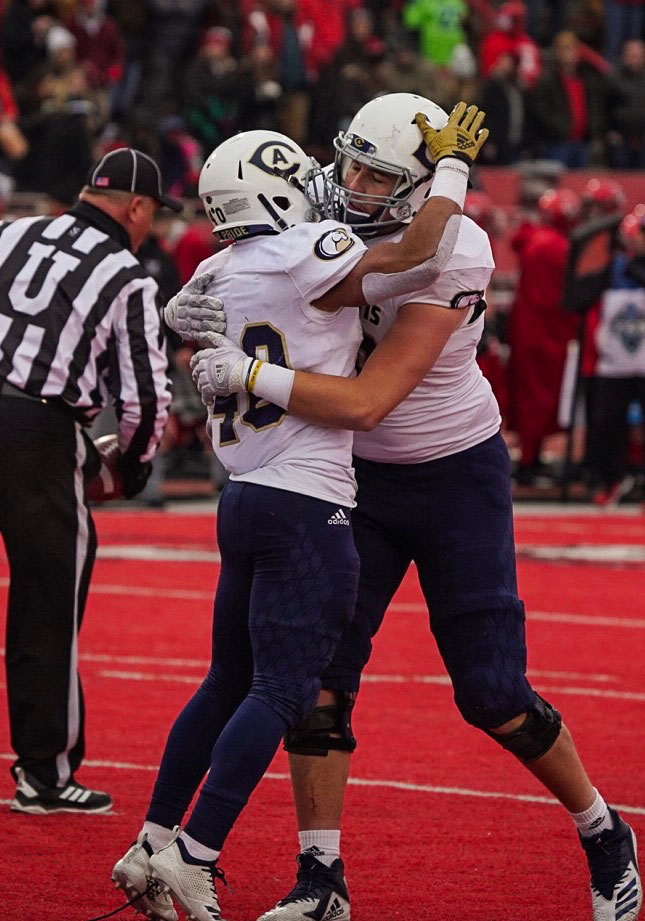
(616, 890)
(320, 893)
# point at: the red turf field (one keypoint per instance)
(441, 825)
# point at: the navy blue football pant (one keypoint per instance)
(453, 518)
(286, 591)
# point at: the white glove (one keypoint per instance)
(195, 315)
(221, 370)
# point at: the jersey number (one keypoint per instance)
(264, 341)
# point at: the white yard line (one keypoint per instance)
(383, 784)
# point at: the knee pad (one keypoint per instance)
(325, 729)
(535, 736)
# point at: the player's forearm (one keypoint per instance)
(338, 402)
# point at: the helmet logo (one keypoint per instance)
(360, 144)
(402, 213)
(276, 157)
(333, 244)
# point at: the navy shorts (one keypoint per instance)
(453, 517)
(286, 591)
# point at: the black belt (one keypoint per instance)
(8, 390)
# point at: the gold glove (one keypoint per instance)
(462, 136)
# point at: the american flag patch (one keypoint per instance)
(102, 181)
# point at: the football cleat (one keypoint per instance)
(616, 890)
(320, 894)
(132, 874)
(34, 797)
(189, 880)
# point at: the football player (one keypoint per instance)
(289, 568)
(434, 487)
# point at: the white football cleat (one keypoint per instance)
(132, 874)
(190, 881)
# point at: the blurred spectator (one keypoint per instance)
(100, 50)
(180, 157)
(323, 25)
(23, 35)
(439, 24)
(568, 105)
(57, 132)
(132, 20)
(602, 196)
(623, 20)
(626, 111)
(459, 78)
(619, 340)
(503, 99)
(266, 90)
(13, 143)
(350, 80)
(279, 24)
(545, 18)
(510, 37)
(68, 83)
(172, 29)
(195, 244)
(405, 71)
(540, 329)
(218, 90)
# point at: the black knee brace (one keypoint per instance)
(314, 735)
(535, 736)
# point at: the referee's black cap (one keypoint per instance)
(130, 170)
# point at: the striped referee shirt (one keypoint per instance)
(80, 320)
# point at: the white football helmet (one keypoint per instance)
(384, 135)
(253, 183)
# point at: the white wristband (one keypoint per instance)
(451, 180)
(272, 383)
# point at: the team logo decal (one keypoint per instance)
(276, 157)
(333, 244)
(466, 299)
(629, 327)
(360, 144)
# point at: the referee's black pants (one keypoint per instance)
(50, 541)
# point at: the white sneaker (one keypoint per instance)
(132, 874)
(320, 893)
(190, 881)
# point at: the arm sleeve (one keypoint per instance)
(320, 256)
(463, 282)
(143, 392)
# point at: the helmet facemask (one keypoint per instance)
(368, 214)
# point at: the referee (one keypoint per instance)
(79, 327)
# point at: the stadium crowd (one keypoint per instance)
(562, 84)
(558, 80)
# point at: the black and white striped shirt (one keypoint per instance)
(80, 320)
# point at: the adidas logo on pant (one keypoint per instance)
(339, 517)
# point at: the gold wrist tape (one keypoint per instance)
(253, 374)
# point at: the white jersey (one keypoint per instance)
(620, 336)
(453, 407)
(268, 284)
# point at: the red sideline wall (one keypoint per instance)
(503, 186)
